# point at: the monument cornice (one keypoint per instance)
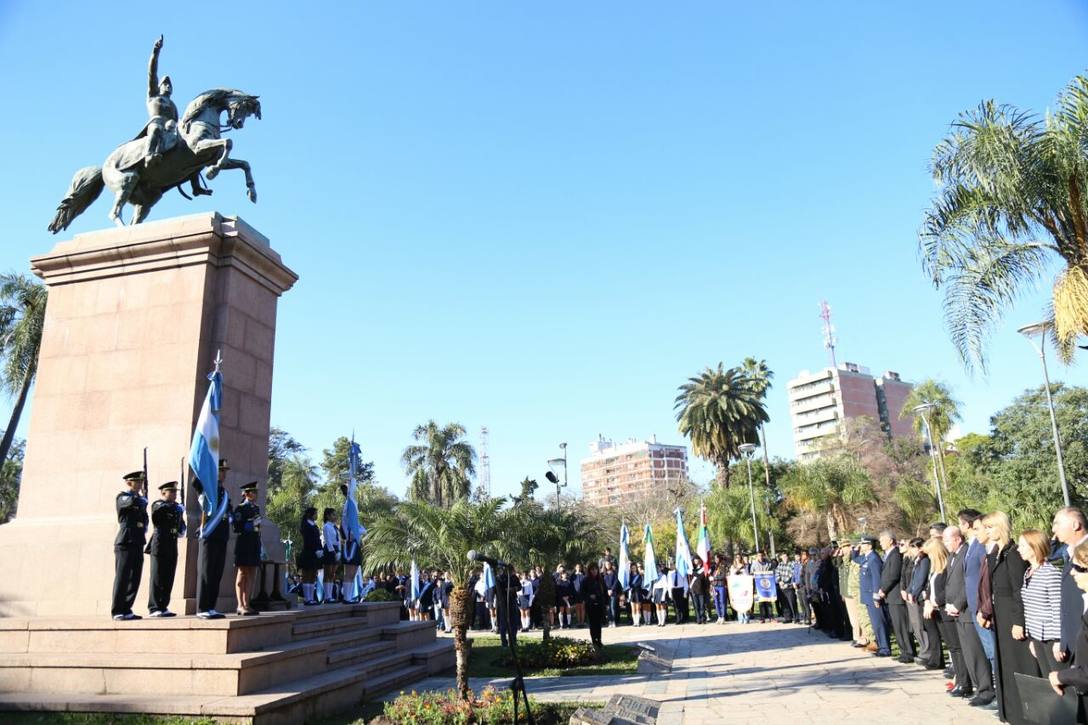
(208, 238)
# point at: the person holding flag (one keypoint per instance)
(700, 581)
(413, 592)
(650, 574)
(678, 577)
(353, 529)
(210, 473)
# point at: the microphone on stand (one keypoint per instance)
(474, 555)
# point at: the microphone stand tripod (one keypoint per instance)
(518, 684)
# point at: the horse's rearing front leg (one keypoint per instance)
(251, 187)
(219, 165)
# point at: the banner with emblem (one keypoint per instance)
(766, 588)
(741, 596)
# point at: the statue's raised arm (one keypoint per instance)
(153, 70)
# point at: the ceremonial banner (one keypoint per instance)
(702, 546)
(413, 586)
(766, 589)
(624, 573)
(204, 454)
(740, 592)
(683, 550)
(649, 561)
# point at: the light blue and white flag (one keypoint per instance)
(352, 526)
(702, 545)
(683, 550)
(489, 580)
(319, 587)
(624, 574)
(204, 454)
(413, 587)
(649, 561)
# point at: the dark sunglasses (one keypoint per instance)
(1080, 569)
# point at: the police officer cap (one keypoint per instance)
(871, 541)
(251, 486)
(223, 465)
(169, 486)
(134, 476)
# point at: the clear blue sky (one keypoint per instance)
(542, 218)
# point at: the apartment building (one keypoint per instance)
(623, 472)
(821, 402)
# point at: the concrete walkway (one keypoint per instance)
(759, 674)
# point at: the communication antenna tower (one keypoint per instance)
(485, 463)
(829, 331)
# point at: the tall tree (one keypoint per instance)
(760, 376)
(11, 473)
(943, 413)
(1012, 199)
(719, 410)
(834, 486)
(440, 465)
(439, 537)
(528, 488)
(298, 485)
(22, 317)
(281, 446)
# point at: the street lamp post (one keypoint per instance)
(554, 478)
(1040, 329)
(921, 410)
(746, 449)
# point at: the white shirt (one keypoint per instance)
(331, 536)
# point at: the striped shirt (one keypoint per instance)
(1042, 595)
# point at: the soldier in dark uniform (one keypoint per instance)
(128, 547)
(247, 546)
(168, 516)
(212, 550)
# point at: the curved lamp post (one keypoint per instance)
(921, 410)
(1040, 329)
(746, 450)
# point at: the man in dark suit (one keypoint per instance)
(869, 585)
(955, 595)
(891, 594)
(957, 592)
(1070, 528)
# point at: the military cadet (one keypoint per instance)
(128, 546)
(169, 519)
(212, 550)
(869, 585)
(247, 546)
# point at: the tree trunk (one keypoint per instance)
(9, 432)
(832, 526)
(459, 598)
(724, 473)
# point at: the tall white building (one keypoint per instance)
(617, 473)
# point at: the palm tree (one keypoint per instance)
(942, 415)
(834, 486)
(22, 317)
(439, 537)
(760, 376)
(441, 466)
(719, 410)
(544, 537)
(1012, 198)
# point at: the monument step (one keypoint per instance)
(410, 634)
(344, 656)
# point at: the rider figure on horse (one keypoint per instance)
(162, 129)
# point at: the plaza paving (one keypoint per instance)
(760, 674)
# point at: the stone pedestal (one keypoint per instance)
(134, 320)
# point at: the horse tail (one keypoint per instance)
(86, 186)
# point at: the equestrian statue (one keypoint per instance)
(168, 152)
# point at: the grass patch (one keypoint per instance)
(489, 659)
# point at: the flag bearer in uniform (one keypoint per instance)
(212, 550)
(168, 516)
(247, 547)
(330, 536)
(128, 546)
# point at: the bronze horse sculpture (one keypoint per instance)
(199, 146)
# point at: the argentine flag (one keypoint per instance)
(625, 559)
(350, 519)
(702, 546)
(204, 453)
(649, 561)
(683, 550)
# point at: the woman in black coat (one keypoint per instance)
(1006, 581)
(595, 595)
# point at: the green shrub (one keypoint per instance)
(559, 652)
(380, 595)
(488, 707)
